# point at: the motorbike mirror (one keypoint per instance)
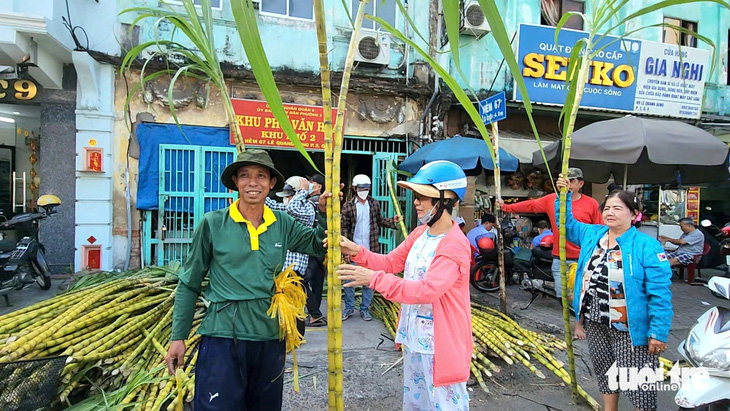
(720, 287)
(705, 223)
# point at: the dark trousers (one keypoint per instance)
(245, 375)
(314, 280)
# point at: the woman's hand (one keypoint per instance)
(354, 275)
(347, 247)
(562, 182)
(656, 346)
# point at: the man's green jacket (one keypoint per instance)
(241, 263)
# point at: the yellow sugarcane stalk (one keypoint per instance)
(332, 329)
(579, 81)
(500, 238)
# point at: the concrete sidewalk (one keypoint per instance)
(689, 303)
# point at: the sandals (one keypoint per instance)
(317, 322)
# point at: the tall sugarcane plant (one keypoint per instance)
(603, 22)
(199, 59)
(333, 150)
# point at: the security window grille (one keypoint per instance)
(672, 34)
(297, 9)
(553, 10)
(385, 9)
(214, 4)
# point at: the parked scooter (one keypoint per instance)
(536, 275)
(26, 263)
(708, 345)
(485, 266)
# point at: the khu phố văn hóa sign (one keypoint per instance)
(627, 75)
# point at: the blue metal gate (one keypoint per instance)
(388, 239)
(190, 186)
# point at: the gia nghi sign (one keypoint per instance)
(626, 75)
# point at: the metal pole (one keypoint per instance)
(626, 176)
(500, 238)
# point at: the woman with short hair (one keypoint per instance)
(621, 294)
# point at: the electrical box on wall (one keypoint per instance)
(93, 159)
(91, 257)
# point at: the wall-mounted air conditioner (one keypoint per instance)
(373, 48)
(474, 22)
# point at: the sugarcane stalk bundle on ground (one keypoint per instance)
(112, 328)
(496, 335)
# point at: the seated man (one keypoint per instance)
(543, 230)
(691, 243)
(485, 228)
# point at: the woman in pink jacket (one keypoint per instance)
(435, 320)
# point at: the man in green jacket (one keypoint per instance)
(240, 249)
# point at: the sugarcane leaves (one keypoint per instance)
(390, 175)
(499, 31)
(448, 79)
(244, 14)
(567, 17)
(574, 63)
(404, 12)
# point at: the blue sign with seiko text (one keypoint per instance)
(625, 74)
(494, 108)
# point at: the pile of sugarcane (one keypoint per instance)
(112, 328)
(497, 336)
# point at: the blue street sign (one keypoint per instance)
(494, 108)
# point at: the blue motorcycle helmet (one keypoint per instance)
(442, 180)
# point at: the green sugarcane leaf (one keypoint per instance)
(499, 31)
(448, 79)
(404, 12)
(243, 13)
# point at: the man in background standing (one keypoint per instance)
(585, 210)
(298, 206)
(361, 222)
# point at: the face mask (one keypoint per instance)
(287, 200)
(363, 194)
(310, 189)
(428, 216)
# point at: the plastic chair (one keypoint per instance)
(691, 267)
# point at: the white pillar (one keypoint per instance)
(94, 129)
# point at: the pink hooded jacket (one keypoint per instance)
(446, 287)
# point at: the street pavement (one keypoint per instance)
(545, 314)
(32, 295)
(367, 354)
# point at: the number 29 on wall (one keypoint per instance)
(20, 90)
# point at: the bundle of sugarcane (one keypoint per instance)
(496, 335)
(111, 327)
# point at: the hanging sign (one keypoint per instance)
(260, 128)
(627, 74)
(17, 90)
(693, 204)
(494, 108)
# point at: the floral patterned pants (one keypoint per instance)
(419, 394)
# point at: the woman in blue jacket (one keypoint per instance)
(621, 294)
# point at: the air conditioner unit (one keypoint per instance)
(373, 48)
(474, 22)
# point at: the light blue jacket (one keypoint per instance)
(647, 276)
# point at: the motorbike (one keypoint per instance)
(484, 274)
(25, 264)
(719, 240)
(536, 273)
(707, 345)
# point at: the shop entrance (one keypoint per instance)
(19, 154)
(189, 186)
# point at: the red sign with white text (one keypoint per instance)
(260, 128)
